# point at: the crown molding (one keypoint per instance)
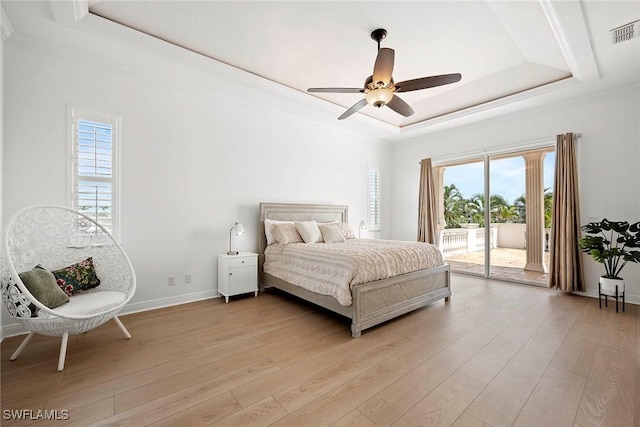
(5, 26)
(500, 106)
(570, 30)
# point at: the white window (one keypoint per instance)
(94, 177)
(374, 198)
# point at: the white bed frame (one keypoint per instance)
(373, 302)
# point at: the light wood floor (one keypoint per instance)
(498, 354)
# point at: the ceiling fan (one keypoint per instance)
(379, 88)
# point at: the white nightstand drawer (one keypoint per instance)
(243, 261)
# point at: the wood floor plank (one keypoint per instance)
(608, 398)
(271, 384)
(184, 398)
(204, 413)
(578, 349)
(84, 415)
(502, 400)
(340, 400)
(298, 395)
(485, 365)
(354, 419)
(554, 401)
(445, 404)
(466, 420)
(390, 404)
(262, 413)
(531, 345)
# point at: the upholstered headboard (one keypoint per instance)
(296, 212)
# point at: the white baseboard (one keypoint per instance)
(136, 307)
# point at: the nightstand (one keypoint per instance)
(237, 274)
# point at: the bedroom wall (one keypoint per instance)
(4, 33)
(197, 154)
(608, 151)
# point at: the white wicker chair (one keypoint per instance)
(56, 237)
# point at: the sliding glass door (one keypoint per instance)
(495, 215)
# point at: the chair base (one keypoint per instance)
(63, 345)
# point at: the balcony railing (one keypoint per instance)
(470, 238)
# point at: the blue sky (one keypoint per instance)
(507, 177)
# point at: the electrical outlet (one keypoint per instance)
(172, 280)
(187, 279)
(593, 219)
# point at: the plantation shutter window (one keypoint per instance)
(374, 198)
(94, 167)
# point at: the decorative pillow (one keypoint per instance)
(309, 231)
(77, 277)
(42, 285)
(268, 229)
(286, 233)
(347, 232)
(331, 233)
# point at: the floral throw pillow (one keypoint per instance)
(77, 277)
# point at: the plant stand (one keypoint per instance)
(610, 287)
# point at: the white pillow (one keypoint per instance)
(331, 233)
(269, 232)
(309, 231)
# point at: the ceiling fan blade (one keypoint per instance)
(383, 69)
(336, 89)
(353, 109)
(399, 106)
(427, 82)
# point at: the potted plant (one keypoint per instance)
(611, 243)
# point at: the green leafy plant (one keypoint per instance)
(611, 243)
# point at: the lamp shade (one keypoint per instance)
(238, 229)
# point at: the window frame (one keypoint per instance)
(74, 114)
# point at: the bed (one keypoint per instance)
(372, 302)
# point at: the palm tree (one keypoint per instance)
(520, 205)
(453, 206)
(475, 209)
(548, 203)
(505, 214)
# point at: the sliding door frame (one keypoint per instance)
(546, 144)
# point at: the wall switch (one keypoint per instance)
(172, 280)
(187, 279)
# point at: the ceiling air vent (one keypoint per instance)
(626, 32)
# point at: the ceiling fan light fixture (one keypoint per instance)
(379, 97)
(379, 88)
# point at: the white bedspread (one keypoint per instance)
(333, 268)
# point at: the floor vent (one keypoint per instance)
(626, 32)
